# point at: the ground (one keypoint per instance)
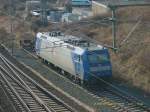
(130, 62)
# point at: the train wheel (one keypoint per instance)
(43, 60)
(81, 82)
(62, 72)
(74, 79)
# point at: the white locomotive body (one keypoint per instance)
(73, 55)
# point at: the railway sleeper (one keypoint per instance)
(116, 108)
(17, 87)
(24, 93)
(49, 102)
(38, 93)
(31, 102)
(133, 107)
(21, 91)
(21, 107)
(29, 83)
(41, 95)
(26, 96)
(60, 108)
(52, 104)
(114, 98)
(28, 99)
(32, 87)
(137, 111)
(17, 103)
(52, 101)
(37, 108)
(46, 100)
(35, 89)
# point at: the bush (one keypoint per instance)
(3, 35)
(144, 58)
(126, 54)
(36, 25)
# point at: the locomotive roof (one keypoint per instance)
(60, 38)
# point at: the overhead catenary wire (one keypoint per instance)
(130, 33)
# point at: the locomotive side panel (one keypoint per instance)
(59, 56)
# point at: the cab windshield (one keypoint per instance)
(98, 58)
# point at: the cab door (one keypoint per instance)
(38, 45)
(77, 65)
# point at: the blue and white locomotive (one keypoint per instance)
(74, 55)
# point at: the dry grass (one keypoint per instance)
(132, 62)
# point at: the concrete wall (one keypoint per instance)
(98, 8)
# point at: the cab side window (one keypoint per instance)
(77, 58)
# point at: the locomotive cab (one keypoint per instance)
(99, 64)
(90, 63)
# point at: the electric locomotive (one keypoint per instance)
(75, 55)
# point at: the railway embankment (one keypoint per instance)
(26, 94)
(131, 62)
(69, 92)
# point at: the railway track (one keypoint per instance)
(117, 103)
(27, 95)
(118, 100)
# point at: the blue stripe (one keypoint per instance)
(102, 64)
(103, 73)
(85, 65)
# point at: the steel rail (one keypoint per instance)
(126, 101)
(119, 93)
(26, 89)
(15, 93)
(11, 66)
(120, 100)
(40, 87)
(1, 109)
(26, 86)
(9, 97)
